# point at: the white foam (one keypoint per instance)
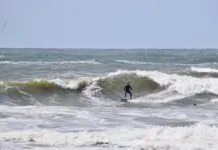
(204, 70)
(48, 62)
(93, 92)
(134, 62)
(73, 83)
(214, 100)
(194, 137)
(161, 97)
(159, 77)
(191, 85)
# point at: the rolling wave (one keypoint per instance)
(107, 84)
(177, 87)
(148, 86)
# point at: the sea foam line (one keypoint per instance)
(134, 62)
(204, 70)
(48, 62)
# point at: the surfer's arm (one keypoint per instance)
(130, 88)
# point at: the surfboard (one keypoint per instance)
(123, 99)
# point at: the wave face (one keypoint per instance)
(148, 87)
(114, 84)
(110, 86)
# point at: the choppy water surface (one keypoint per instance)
(70, 99)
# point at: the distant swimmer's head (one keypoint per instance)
(127, 83)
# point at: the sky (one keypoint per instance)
(109, 23)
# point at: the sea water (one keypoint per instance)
(70, 99)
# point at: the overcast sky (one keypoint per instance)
(109, 23)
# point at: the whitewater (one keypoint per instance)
(70, 99)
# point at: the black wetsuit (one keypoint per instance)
(128, 89)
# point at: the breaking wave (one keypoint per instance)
(148, 87)
(108, 85)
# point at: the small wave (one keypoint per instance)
(201, 72)
(153, 137)
(134, 62)
(48, 62)
(204, 70)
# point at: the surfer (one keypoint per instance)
(128, 89)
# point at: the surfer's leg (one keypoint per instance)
(125, 93)
(130, 93)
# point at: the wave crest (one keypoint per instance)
(150, 86)
(204, 70)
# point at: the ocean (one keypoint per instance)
(66, 99)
